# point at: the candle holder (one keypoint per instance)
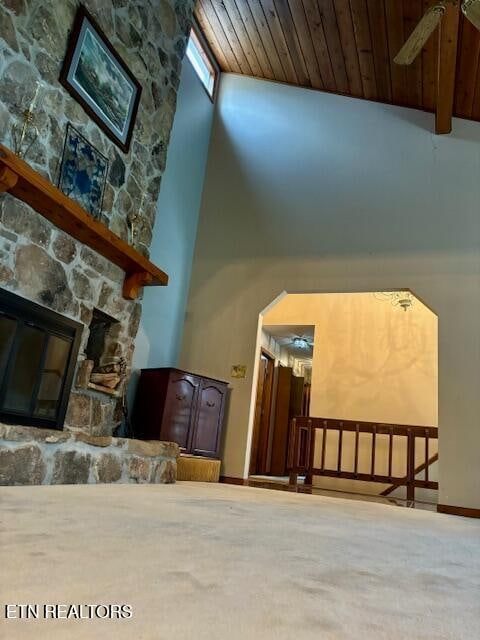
(135, 221)
(25, 133)
(133, 224)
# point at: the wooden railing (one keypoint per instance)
(302, 455)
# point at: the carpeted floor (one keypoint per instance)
(200, 561)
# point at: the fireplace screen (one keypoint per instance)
(38, 353)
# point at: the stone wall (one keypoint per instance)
(37, 260)
(43, 456)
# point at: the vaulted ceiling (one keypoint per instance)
(347, 47)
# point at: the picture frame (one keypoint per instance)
(83, 172)
(96, 76)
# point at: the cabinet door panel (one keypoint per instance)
(180, 409)
(211, 404)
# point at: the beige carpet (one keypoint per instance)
(204, 561)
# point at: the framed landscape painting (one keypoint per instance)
(95, 75)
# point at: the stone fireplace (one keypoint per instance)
(43, 370)
(41, 263)
(79, 291)
(46, 267)
(38, 355)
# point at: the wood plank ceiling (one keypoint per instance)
(341, 46)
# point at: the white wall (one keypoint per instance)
(307, 191)
(159, 335)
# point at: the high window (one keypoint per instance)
(203, 61)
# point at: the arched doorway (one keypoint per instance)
(375, 360)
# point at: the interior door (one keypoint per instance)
(180, 408)
(261, 429)
(210, 409)
(281, 423)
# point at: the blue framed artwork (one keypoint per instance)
(95, 75)
(83, 172)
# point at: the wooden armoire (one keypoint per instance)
(182, 407)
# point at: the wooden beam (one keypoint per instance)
(447, 64)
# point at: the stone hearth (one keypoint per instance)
(44, 456)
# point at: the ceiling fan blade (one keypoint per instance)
(420, 35)
(471, 10)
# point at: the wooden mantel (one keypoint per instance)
(21, 181)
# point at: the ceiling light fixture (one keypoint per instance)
(403, 299)
(300, 343)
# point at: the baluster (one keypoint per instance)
(427, 456)
(324, 444)
(305, 452)
(390, 453)
(310, 453)
(340, 444)
(410, 465)
(374, 446)
(301, 447)
(291, 445)
(294, 469)
(357, 433)
(294, 444)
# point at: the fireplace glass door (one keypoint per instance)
(38, 352)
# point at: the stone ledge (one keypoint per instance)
(14, 433)
(149, 448)
(44, 456)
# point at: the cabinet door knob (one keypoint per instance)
(180, 396)
(210, 404)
